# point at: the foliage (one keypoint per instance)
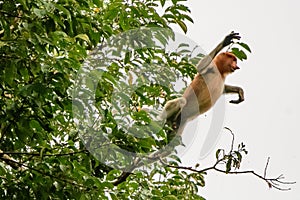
(43, 44)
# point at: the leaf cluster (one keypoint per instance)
(44, 47)
(240, 53)
(43, 44)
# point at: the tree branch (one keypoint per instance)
(272, 182)
(230, 159)
(71, 182)
(43, 155)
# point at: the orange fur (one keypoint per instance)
(206, 88)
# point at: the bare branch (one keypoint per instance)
(265, 173)
(232, 142)
(276, 183)
(272, 182)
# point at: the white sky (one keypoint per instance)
(267, 122)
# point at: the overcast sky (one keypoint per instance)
(267, 122)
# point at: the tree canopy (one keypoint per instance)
(49, 148)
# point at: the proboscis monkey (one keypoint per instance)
(206, 88)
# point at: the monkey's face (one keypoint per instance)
(229, 66)
(226, 63)
(233, 66)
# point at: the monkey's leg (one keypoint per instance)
(172, 108)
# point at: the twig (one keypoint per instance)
(232, 142)
(265, 172)
(272, 182)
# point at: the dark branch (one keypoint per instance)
(272, 182)
(122, 178)
(44, 155)
(265, 173)
(232, 142)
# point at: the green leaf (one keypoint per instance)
(10, 75)
(183, 45)
(184, 16)
(59, 34)
(182, 25)
(175, 157)
(56, 19)
(170, 197)
(112, 14)
(151, 4)
(23, 3)
(183, 8)
(169, 16)
(113, 196)
(174, 2)
(24, 73)
(162, 2)
(2, 44)
(245, 46)
(239, 156)
(39, 12)
(228, 165)
(35, 125)
(63, 10)
(127, 57)
(239, 54)
(98, 3)
(84, 37)
(218, 153)
(2, 169)
(124, 21)
(147, 142)
(109, 78)
(42, 152)
(113, 174)
(108, 29)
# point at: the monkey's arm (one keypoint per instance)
(235, 89)
(204, 62)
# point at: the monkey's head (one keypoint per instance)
(226, 63)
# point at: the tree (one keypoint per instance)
(43, 153)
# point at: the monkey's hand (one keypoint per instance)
(236, 101)
(229, 38)
(240, 92)
(235, 89)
